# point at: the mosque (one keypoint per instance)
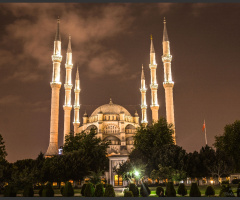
(112, 122)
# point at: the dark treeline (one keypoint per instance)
(154, 155)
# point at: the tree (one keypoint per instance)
(229, 143)
(94, 148)
(3, 152)
(168, 173)
(154, 145)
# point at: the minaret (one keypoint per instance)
(143, 90)
(55, 85)
(168, 83)
(154, 86)
(77, 90)
(67, 107)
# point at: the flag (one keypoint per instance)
(204, 126)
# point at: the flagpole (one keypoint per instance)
(205, 133)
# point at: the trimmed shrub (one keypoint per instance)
(209, 191)
(83, 188)
(48, 191)
(226, 191)
(128, 194)
(238, 190)
(235, 181)
(134, 189)
(109, 191)
(144, 190)
(28, 191)
(99, 191)
(182, 190)
(160, 191)
(68, 190)
(225, 182)
(170, 191)
(10, 191)
(61, 190)
(40, 190)
(89, 190)
(194, 190)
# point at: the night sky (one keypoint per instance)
(110, 42)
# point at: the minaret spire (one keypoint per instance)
(77, 90)
(68, 88)
(143, 90)
(55, 85)
(152, 47)
(69, 49)
(165, 35)
(168, 83)
(57, 36)
(154, 86)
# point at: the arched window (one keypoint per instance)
(111, 129)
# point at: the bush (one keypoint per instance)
(68, 190)
(48, 191)
(109, 191)
(144, 190)
(10, 191)
(83, 188)
(235, 181)
(134, 189)
(99, 192)
(89, 190)
(226, 191)
(170, 191)
(182, 190)
(128, 194)
(40, 190)
(194, 191)
(28, 191)
(225, 182)
(61, 190)
(160, 191)
(238, 190)
(209, 191)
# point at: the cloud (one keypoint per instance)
(9, 100)
(31, 34)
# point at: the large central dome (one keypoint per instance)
(111, 108)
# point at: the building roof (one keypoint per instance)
(111, 108)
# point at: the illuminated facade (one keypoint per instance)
(112, 122)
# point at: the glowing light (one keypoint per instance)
(136, 173)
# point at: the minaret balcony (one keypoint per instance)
(167, 58)
(143, 89)
(67, 107)
(154, 86)
(76, 107)
(154, 106)
(143, 106)
(68, 65)
(68, 86)
(56, 84)
(168, 84)
(151, 66)
(76, 90)
(56, 58)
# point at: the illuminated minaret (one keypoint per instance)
(77, 90)
(168, 83)
(143, 90)
(55, 85)
(68, 87)
(154, 86)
